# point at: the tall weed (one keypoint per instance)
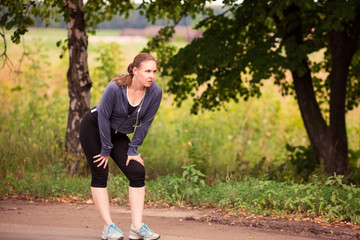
(242, 139)
(32, 129)
(331, 200)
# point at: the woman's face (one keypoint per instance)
(145, 74)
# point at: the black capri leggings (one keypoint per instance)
(91, 144)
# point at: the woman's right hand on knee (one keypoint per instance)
(102, 160)
(135, 158)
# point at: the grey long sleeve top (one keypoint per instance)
(113, 113)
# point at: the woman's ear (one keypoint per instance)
(135, 71)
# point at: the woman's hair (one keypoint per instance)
(126, 79)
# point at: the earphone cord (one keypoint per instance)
(137, 116)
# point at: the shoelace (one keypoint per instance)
(111, 229)
(144, 230)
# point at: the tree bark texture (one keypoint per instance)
(343, 45)
(315, 125)
(79, 82)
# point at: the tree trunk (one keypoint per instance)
(343, 46)
(314, 122)
(79, 82)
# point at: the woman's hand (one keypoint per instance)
(135, 158)
(102, 160)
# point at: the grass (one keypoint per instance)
(327, 200)
(228, 141)
(238, 148)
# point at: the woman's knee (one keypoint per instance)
(99, 179)
(136, 174)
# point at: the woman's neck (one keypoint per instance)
(136, 86)
(135, 93)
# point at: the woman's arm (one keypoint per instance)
(105, 109)
(145, 123)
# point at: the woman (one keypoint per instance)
(129, 103)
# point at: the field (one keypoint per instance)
(245, 139)
(222, 142)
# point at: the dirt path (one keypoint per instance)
(20, 219)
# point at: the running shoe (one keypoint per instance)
(112, 232)
(143, 232)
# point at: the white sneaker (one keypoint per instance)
(143, 232)
(112, 232)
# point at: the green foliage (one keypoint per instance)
(343, 200)
(304, 160)
(354, 157)
(331, 199)
(118, 188)
(192, 175)
(16, 15)
(110, 57)
(97, 12)
(173, 11)
(37, 70)
(246, 139)
(353, 87)
(250, 39)
(48, 182)
(19, 14)
(108, 60)
(177, 190)
(63, 46)
(35, 117)
(253, 41)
